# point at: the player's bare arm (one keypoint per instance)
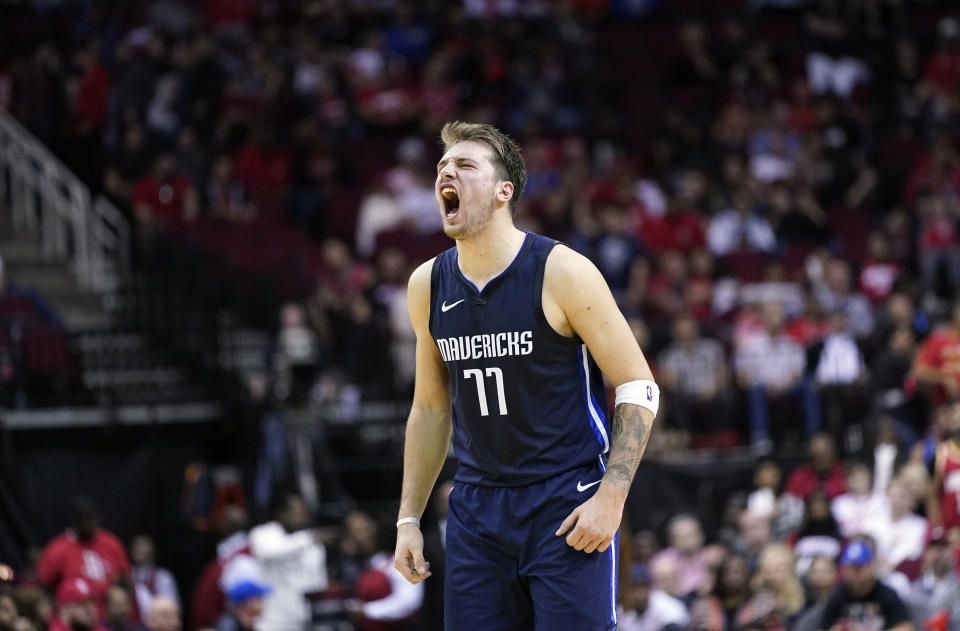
(428, 431)
(576, 300)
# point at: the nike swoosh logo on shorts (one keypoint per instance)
(583, 487)
(445, 307)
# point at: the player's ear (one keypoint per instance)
(504, 191)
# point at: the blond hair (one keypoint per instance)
(507, 159)
(789, 596)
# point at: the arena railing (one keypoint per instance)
(49, 202)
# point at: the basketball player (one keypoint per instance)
(511, 329)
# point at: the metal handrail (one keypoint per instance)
(50, 202)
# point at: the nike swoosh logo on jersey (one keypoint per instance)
(583, 487)
(445, 307)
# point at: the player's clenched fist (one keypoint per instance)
(408, 557)
(593, 524)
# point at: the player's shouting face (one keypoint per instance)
(469, 189)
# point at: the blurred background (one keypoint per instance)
(209, 210)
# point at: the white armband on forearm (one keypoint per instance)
(641, 392)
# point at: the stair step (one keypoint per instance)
(22, 251)
(160, 395)
(111, 341)
(81, 319)
(47, 280)
(56, 284)
(162, 376)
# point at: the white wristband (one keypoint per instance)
(642, 392)
(408, 520)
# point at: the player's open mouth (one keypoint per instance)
(451, 202)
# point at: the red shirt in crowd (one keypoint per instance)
(208, 598)
(99, 561)
(941, 351)
(266, 174)
(947, 465)
(166, 200)
(682, 231)
(92, 95)
(877, 278)
(943, 70)
(805, 330)
(229, 12)
(923, 179)
(804, 481)
(939, 233)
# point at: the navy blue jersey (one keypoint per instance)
(528, 403)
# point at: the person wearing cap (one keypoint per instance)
(244, 604)
(293, 561)
(861, 602)
(76, 609)
(647, 609)
(937, 590)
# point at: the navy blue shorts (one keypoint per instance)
(506, 570)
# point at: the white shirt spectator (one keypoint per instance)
(854, 513)
(652, 197)
(854, 304)
(419, 207)
(789, 295)
(379, 212)
(149, 582)
(728, 229)
(769, 167)
(294, 563)
(662, 610)
(695, 369)
(770, 361)
(839, 76)
(232, 545)
(898, 541)
(840, 361)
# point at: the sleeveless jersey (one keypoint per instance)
(528, 403)
(950, 491)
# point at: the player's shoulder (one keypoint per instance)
(418, 292)
(564, 264)
(420, 277)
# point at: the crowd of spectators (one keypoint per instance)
(862, 544)
(836, 545)
(773, 200)
(281, 575)
(770, 188)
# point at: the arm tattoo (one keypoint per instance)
(629, 434)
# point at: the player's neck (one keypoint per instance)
(486, 255)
